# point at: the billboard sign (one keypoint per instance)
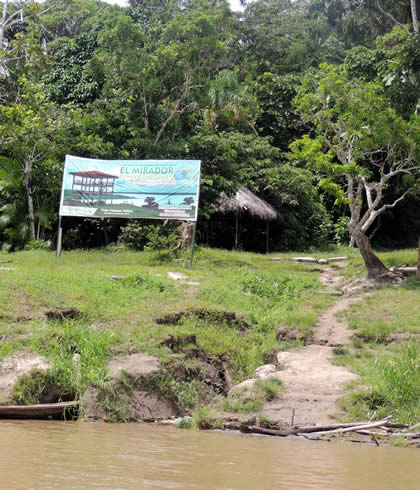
(156, 189)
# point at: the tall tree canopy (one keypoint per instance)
(338, 81)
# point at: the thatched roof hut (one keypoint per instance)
(246, 202)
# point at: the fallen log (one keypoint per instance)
(397, 425)
(355, 428)
(372, 433)
(40, 411)
(411, 435)
(253, 429)
(404, 270)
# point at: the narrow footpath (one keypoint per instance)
(312, 383)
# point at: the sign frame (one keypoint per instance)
(93, 193)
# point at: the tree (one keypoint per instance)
(16, 14)
(27, 131)
(230, 102)
(361, 145)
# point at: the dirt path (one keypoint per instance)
(312, 384)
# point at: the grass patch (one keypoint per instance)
(243, 406)
(394, 385)
(51, 386)
(270, 387)
(204, 419)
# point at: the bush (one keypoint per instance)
(149, 237)
(341, 231)
(38, 245)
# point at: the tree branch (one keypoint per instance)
(390, 16)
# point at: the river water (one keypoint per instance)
(35, 454)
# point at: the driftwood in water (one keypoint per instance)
(252, 429)
(356, 427)
(39, 411)
(319, 431)
(411, 435)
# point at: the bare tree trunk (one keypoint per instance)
(106, 234)
(375, 268)
(27, 183)
(414, 15)
(418, 264)
(167, 121)
(186, 238)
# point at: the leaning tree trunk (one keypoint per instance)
(27, 183)
(376, 270)
(186, 238)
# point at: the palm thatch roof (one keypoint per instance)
(246, 201)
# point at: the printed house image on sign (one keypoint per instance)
(153, 189)
(92, 187)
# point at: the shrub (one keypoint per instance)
(149, 237)
(341, 231)
(38, 245)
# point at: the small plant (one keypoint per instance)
(264, 421)
(398, 441)
(146, 283)
(116, 407)
(204, 419)
(38, 245)
(185, 423)
(357, 343)
(270, 387)
(340, 351)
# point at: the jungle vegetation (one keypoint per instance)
(311, 104)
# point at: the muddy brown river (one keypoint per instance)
(76, 455)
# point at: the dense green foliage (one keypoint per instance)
(192, 79)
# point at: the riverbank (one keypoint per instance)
(209, 330)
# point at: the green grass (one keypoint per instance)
(391, 385)
(118, 316)
(270, 387)
(390, 310)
